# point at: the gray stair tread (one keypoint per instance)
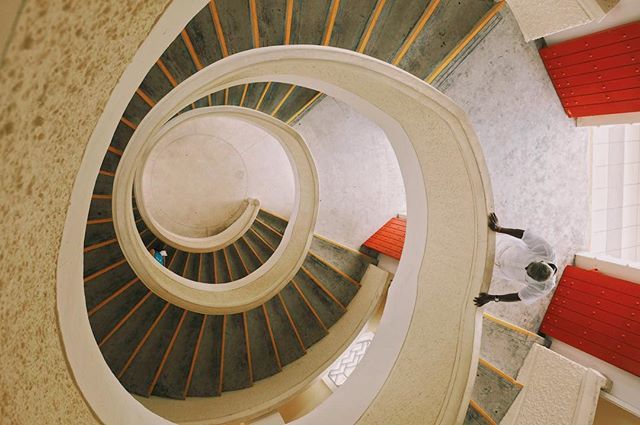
(104, 319)
(327, 308)
(308, 326)
(236, 374)
(203, 37)
(263, 355)
(309, 19)
(221, 267)
(139, 376)
(451, 22)
(340, 286)
(505, 348)
(118, 348)
(493, 392)
(350, 262)
(206, 268)
(103, 286)
(206, 372)
(473, 417)
(173, 379)
(288, 346)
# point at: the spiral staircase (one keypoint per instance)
(157, 348)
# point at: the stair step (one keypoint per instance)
(289, 347)
(173, 379)
(264, 361)
(449, 24)
(178, 262)
(119, 346)
(249, 258)
(206, 268)
(297, 102)
(505, 345)
(308, 325)
(103, 286)
(236, 373)
(476, 416)
(340, 286)
(138, 377)
(494, 391)
(205, 380)
(192, 267)
(221, 267)
(106, 317)
(349, 261)
(309, 20)
(351, 22)
(236, 267)
(329, 309)
(272, 220)
(203, 37)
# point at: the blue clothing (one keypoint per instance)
(159, 257)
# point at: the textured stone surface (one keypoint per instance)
(505, 348)
(537, 158)
(556, 391)
(493, 392)
(61, 65)
(357, 169)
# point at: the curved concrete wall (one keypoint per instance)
(63, 63)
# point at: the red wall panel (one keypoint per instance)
(389, 239)
(599, 73)
(597, 314)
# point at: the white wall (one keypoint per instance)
(615, 205)
(269, 175)
(361, 186)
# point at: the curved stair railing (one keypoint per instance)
(283, 95)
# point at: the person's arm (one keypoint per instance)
(495, 226)
(484, 298)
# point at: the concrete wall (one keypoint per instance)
(360, 182)
(537, 158)
(60, 68)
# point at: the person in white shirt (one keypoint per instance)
(525, 257)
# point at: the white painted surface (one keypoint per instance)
(540, 18)
(610, 119)
(615, 191)
(624, 12)
(612, 266)
(360, 181)
(388, 263)
(195, 185)
(225, 161)
(269, 174)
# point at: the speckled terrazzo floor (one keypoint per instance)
(537, 157)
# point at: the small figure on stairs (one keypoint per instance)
(524, 257)
(159, 254)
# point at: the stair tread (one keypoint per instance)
(173, 379)
(494, 391)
